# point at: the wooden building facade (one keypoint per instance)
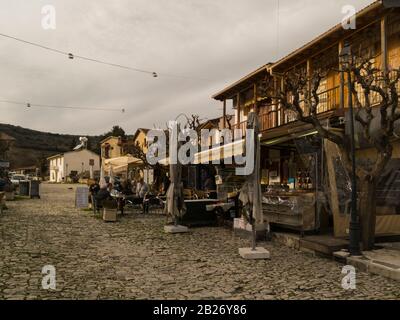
(377, 36)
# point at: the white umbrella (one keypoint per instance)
(111, 175)
(123, 161)
(102, 181)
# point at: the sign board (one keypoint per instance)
(91, 162)
(24, 188)
(82, 197)
(34, 189)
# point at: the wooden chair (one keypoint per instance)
(188, 194)
(154, 204)
(134, 203)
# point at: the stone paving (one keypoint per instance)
(134, 259)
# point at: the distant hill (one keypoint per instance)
(31, 145)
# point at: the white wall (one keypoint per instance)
(61, 167)
(75, 159)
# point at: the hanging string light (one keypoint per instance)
(30, 105)
(73, 56)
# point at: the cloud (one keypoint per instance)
(211, 43)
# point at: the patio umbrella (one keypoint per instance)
(111, 175)
(250, 194)
(175, 205)
(127, 160)
(102, 181)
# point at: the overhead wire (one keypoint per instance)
(30, 105)
(72, 56)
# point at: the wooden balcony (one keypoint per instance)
(273, 116)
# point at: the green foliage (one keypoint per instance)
(32, 146)
(116, 131)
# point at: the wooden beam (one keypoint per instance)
(309, 73)
(255, 97)
(341, 89)
(282, 115)
(238, 109)
(224, 114)
(384, 43)
(275, 104)
(290, 65)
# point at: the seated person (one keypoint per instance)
(103, 194)
(118, 185)
(142, 188)
(94, 188)
(127, 188)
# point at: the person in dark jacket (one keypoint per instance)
(103, 194)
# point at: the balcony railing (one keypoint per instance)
(241, 125)
(274, 116)
(329, 100)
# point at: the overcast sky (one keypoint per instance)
(210, 43)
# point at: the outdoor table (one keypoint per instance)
(134, 201)
(120, 198)
(224, 206)
(197, 214)
(224, 210)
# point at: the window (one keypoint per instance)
(107, 149)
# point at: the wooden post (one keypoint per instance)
(384, 44)
(238, 110)
(282, 112)
(275, 106)
(224, 115)
(341, 89)
(255, 98)
(309, 73)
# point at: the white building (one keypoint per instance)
(61, 165)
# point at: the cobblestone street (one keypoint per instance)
(134, 259)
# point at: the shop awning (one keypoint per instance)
(219, 153)
(121, 163)
(289, 137)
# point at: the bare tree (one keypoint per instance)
(228, 120)
(372, 90)
(193, 122)
(136, 150)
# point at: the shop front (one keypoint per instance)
(292, 181)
